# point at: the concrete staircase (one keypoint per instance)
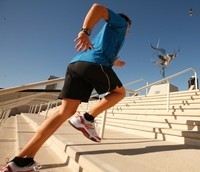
(15, 132)
(140, 136)
(68, 150)
(148, 116)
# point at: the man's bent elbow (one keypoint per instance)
(103, 11)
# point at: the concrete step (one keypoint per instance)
(177, 130)
(177, 136)
(172, 112)
(172, 95)
(120, 151)
(8, 139)
(162, 97)
(17, 128)
(158, 102)
(153, 122)
(175, 98)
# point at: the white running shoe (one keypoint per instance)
(12, 167)
(86, 127)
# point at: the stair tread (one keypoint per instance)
(130, 151)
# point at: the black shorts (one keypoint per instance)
(82, 77)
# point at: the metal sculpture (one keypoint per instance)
(165, 58)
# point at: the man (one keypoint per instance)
(90, 69)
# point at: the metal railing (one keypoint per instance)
(6, 106)
(29, 86)
(167, 79)
(135, 82)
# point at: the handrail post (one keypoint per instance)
(32, 109)
(35, 109)
(40, 108)
(196, 83)
(29, 111)
(1, 116)
(103, 124)
(47, 110)
(147, 89)
(168, 89)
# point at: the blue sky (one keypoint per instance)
(37, 38)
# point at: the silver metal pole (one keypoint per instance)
(48, 107)
(39, 109)
(168, 90)
(103, 124)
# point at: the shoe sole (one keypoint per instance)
(84, 131)
(9, 169)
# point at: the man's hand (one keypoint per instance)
(118, 63)
(83, 42)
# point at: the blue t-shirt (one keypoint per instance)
(107, 42)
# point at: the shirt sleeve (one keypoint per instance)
(115, 20)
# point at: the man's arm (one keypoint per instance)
(95, 14)
(118, 63)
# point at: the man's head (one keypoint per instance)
(128, 20)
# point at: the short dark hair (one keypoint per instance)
(126, 18)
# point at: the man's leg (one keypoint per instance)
(24, 161)
(49, 126)
(84, 122)
(108, 101)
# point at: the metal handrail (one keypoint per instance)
(29, 86)
(23, 100)
(169, 78)
(134, 82)
(22, 88)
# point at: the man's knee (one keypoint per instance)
(69, 107)
(69, 111)
(121, 92)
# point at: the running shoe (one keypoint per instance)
(86, 127)
(12, 167)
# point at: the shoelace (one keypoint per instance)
(3, 166)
